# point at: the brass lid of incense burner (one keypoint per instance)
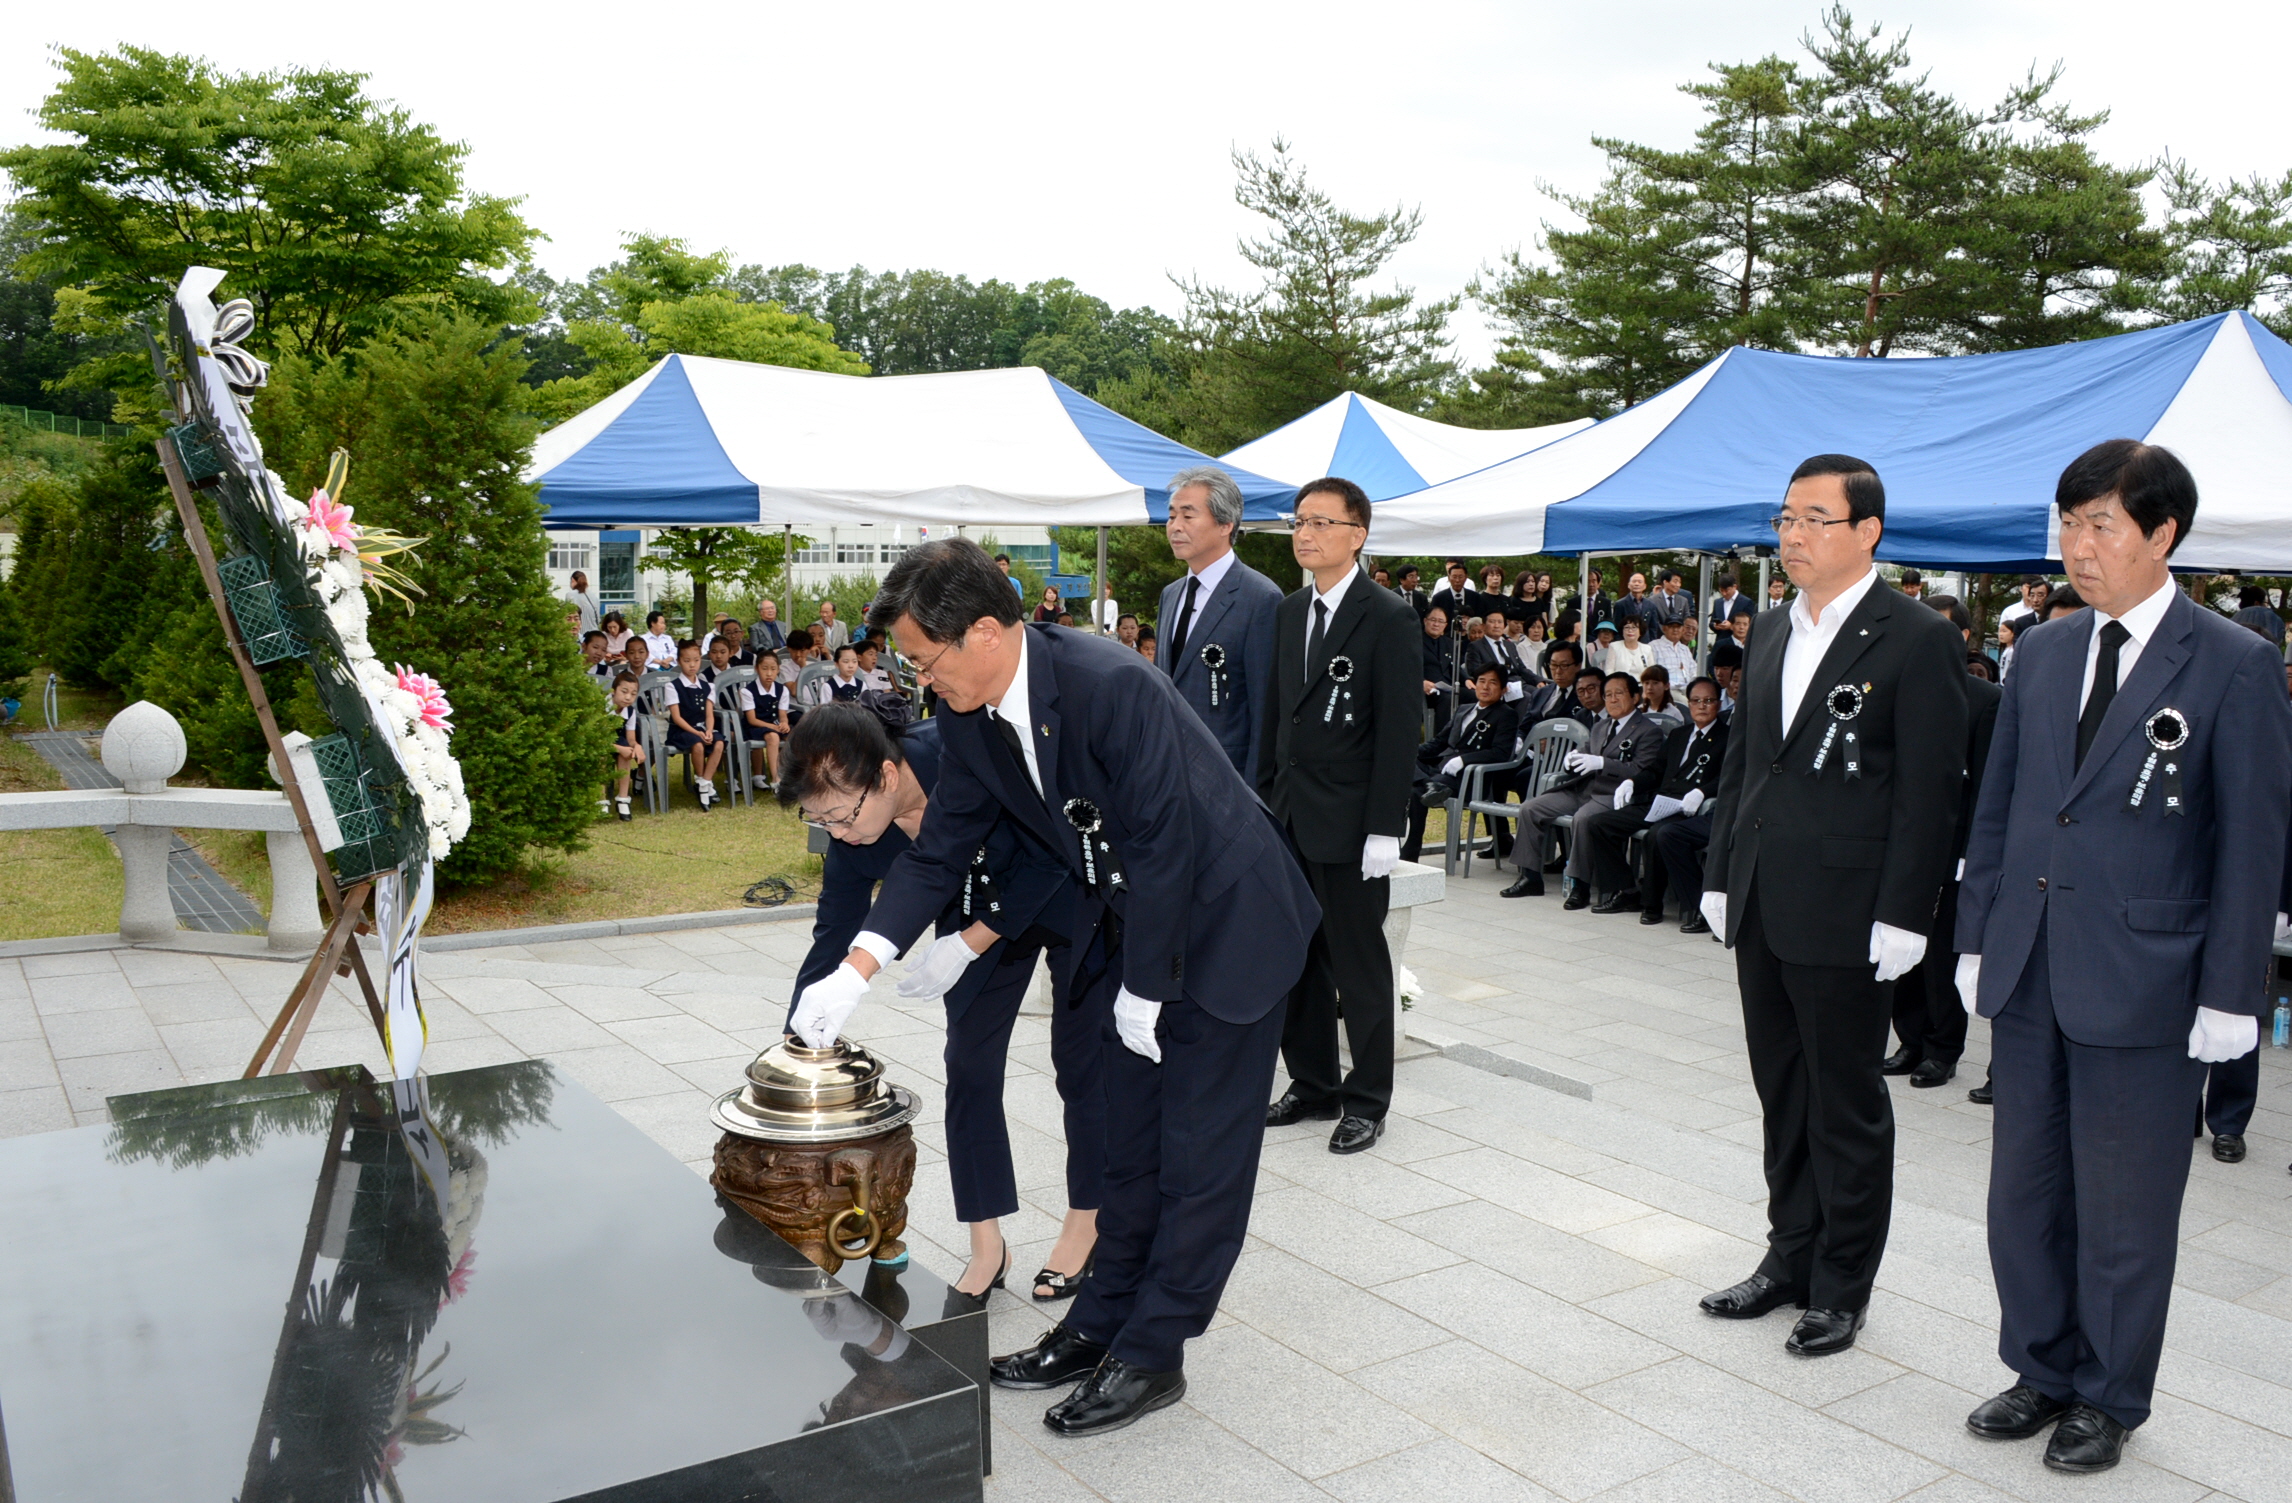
(797, 1094)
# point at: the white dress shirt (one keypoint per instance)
(1211, 576)
(1014, 709)
(2141, 621)
(1811, 637)
(1334, 599)
(1674, 659)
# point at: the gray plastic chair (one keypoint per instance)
(652, 697)
(729, 686)
(1543, 750)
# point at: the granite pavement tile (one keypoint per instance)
(1362, 1181)
(19, 1020)
(90, 1080)
(1321, 1316)
(1699, 1479)
(1439, 1471)
(94, 991)
(616, 1072)
(82, 963)
(1530, 1251)
(677, 1120)
(1353, 1245)
(1558, 1200)
(73, 1035)
(548, 1030)
(1167, 1457)
(191, 1002)
(676, 1038)
(1290, 1408)
(1573, 1346)
(39, 1109)
(1748, 1349)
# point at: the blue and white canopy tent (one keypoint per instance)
(697, 442)
(1384, 451)
(1969, 447)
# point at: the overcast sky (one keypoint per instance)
(1033, 141)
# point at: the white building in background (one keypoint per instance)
(614, 559)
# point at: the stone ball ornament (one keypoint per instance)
(143, 747)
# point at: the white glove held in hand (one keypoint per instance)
(1692, 802)
(1449, 768)
(2218, 1037)
(1714, 906)
(1380, 854)
(1582, 761)
(1134, 1020)
(1895, 951)
(1623, 793)
(934, 972)
(2283, 925)
(827, 1004)
(1969, 981)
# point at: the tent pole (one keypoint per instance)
(1702, 615)
(788, 575)
(1584, 600)
(1098, 589)
(1760, 604)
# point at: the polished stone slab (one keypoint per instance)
(255, 1291)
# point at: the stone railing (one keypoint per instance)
(143, 747)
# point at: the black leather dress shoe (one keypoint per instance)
(1752, 1298)
(1980, 1095)
(2086, 1440)
(1933, 1072)
(2228, 1147)
(1822, 1332)
(1356, 1133)
(1694, 923)
(1651, 918)
(1295, 1108)
(1526, 885)
(1060, 1356)
(1580, 898)
(1618, 902)
(1900, 1062)
(1117, 1394)
(2017, 1414)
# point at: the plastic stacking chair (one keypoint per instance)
(1472, 789)
(812, 673)
(652, 694)
(730, 685)
(1544, 751)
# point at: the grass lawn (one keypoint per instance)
(52, 882)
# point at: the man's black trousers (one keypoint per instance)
(1929, 1015)
(1348, 958)
(1816, 1036)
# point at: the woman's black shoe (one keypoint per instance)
(1000, 1275)
(1062, 1285)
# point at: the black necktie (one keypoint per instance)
(1313, 641)
(1018, 749)
(2113, 637)
(1185, 619)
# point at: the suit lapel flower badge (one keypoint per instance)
(1340, 674)
(1844, 704)
(1214, 659)
(2168, 732)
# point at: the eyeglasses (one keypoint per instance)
(1317, 526)
(921, 667)
(845, 823)
(1783, 524)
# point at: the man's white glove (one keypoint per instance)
(1894, 951)
(934, 972)
(1582, 761)
(1692, 802)
(1623, 793)
(2218, 1037)
(1970, 982)
(1134, 1020)
(1380, 854)
(1448, 768)
(827, 1004)
(1714, 906)
(2283, 926)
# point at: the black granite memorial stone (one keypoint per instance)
(261, 1291)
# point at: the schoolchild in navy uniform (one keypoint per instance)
(764, 710)
(692, 721)
(719, 659)
(628, 741)
(602, 670)
(636, 658)
(865, 773)
(847, 686)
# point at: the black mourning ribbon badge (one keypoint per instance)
(1844, 703)
(1100, 870)
(1214, 659)
(2168, 732)
(980, 894)
(1340, 674)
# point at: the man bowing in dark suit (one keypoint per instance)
(1829, 843)
(2116, 919)
(1191, 921)
(1217, 623)
(1334, 766)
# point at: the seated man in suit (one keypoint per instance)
(1552, 698)
(1625, 748)
(1483, 731)
(1690, 770)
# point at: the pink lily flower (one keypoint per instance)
(435, 712)
(332, 518)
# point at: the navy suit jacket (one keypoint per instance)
(2148, 915)
(1215, 909)
(1034, 893)
(1238, 616)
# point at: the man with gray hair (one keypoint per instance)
(1216, 624)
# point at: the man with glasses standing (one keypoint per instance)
(1216, 624)
(1335, 762)
(1830, 841)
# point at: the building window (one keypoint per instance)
(564, 557)
(855, 553)
(815, 553)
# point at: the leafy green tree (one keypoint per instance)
(2228, 246)
(15, 652)
(1247, 362)
(430, 412)
(326, 207)
(38, 349)
(741, 555)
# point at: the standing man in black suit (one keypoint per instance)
(1190, 922)
(1408, 585)
(1457, 596)
(1829, 844)
(1929, 1023)
(2115, 919)
(1217, 622)
(1339, 747)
